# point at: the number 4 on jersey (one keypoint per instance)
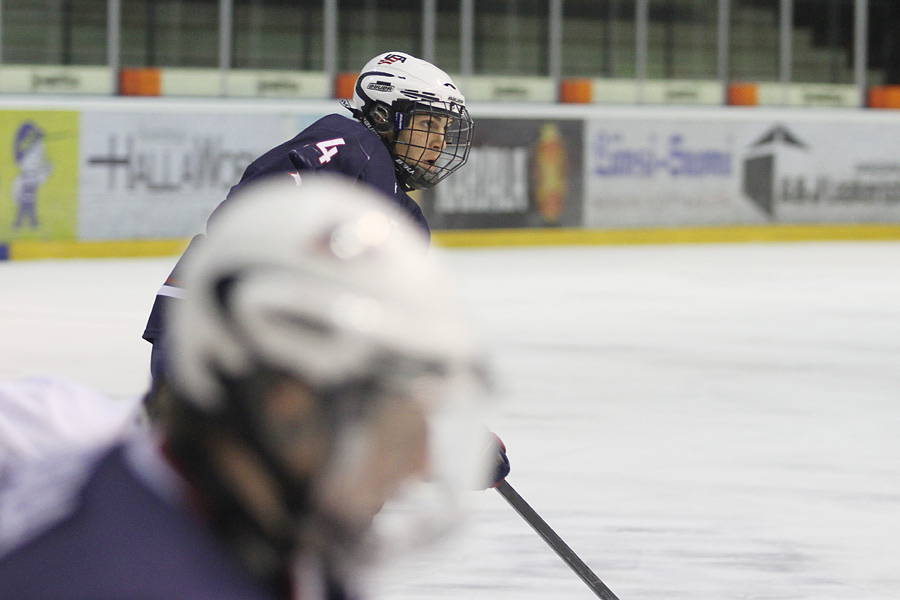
(328, 148)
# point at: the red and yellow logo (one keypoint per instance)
(550, 173)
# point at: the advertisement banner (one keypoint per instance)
(160, 175)
(38, 175)
(520, 173)
(749, 171)
(831, 172)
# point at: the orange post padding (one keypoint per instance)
(743, 94)
(151, 82)
(128, 82)
(140, 82)
(576, 91)
(344, 84)
(876, 97)
(884, 96)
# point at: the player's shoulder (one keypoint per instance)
(335, 124)
(140, 541)
(43, 415)
(36, 495)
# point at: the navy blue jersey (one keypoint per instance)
(110, 536)
(333, 144)
(340, 145)
(102, 532)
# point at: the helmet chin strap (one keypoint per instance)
(263, 549)
(265, 544)
(379, 122)
(404, 171)
(387, 122)
(264, 539)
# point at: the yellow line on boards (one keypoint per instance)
(32, 250)
(679, 235)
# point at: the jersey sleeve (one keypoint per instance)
(334, 144)
(41, 416)
(170, 289)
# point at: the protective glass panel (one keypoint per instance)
(755, 40)
(170, 33)
(510, 37)
(598, 38)
(54, 32)
(682, 38)
(278, 35)
(446, 33)
(367, 28)
(822, 44)
(884, 42)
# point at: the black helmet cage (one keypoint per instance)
(457, 139)
(390, 120)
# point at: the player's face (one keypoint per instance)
(374, 460)
(294, 427)
(421, 143)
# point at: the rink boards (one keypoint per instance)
(138, 177)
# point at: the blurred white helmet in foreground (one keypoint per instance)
(329, 293)
(325, 281)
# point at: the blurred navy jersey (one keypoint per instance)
(117, 523)
(98, 529)
(333, 144)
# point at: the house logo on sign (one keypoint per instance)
(774, 163)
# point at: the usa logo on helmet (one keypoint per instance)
(391, 59)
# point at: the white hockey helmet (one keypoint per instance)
(392, 91)
(327, 284)
(323, 281)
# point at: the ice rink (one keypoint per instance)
(698, 422)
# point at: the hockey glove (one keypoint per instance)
(500, 461)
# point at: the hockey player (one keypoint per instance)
(408, 130)
(322, 404)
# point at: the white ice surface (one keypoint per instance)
(700, 422)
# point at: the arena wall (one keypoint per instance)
(138, 176)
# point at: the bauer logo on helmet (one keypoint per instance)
(380, 86)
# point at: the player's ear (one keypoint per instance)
(381, 118)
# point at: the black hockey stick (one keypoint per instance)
(554, 541)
